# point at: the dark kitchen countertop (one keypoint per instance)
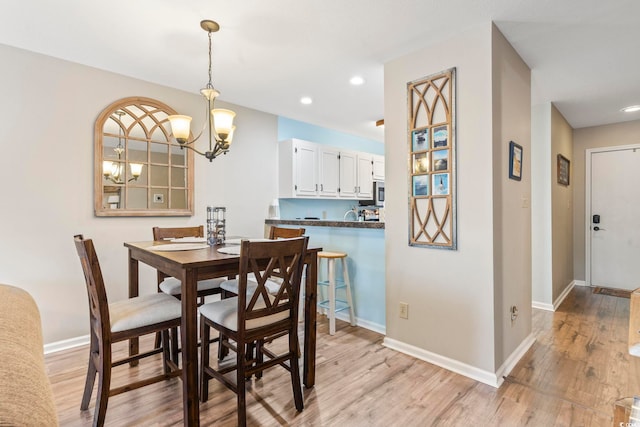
(326, 223)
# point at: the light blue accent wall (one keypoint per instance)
(288, 128)
(365, 247)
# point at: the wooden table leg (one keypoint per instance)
(311, 289)
(134, 346)
(189, 338)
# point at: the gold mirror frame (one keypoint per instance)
(140, 128)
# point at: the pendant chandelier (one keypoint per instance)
(219, 121)
(115, 171)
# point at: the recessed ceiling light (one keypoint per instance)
(306, 100)
(356, 80)
(631, 109)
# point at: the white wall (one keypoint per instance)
(541, 206)
(49, 108)
(450, 293)
(459, 300)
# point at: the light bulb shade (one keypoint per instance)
(223, 122)
(136, 169)
(106, 167)
(230, 137)
(180, 126)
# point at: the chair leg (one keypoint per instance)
(332, 297)
(166, 354)
(158, 340)
(175, 339)
(345, 276)
(91, 374)
(241, 386)
(259, 357)
(294, 347)
(204, 359)
(104, 383)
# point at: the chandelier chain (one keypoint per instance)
(210, 85)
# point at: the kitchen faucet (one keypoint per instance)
(351, 211)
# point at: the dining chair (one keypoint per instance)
(249, 319)
(173, 286)
(285, 233)
(120, 321)
(230, 287)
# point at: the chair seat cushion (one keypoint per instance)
(172, 286)
(225, 313)
(231, 285)
(143, 311)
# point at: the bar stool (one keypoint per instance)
(333, 304)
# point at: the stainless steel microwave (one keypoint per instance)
(378, 193)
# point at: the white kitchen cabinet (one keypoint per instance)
(298, 168)
(329, 171)
(365, 176)
(348, 175)
(310, 170)
(378, 168)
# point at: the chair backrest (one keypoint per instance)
(98, 304)
(262, 259)
(285, 233)
(177, 232)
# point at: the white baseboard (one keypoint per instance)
(542, 305)
(375, 327)
(66, 344)
(486, 377)
(514, 358)
(456, 366)
(560, 299)
(84, 340)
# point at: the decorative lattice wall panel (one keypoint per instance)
(432, 161)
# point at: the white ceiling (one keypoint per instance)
(583, 54)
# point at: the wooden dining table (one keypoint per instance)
(190, 266)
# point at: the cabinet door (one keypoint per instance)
(348, 175)
(378, 168)
(306, 182)
(365, 176)
(329, 174)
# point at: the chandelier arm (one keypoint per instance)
(190, 147)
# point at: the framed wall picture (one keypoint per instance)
(563, 170)
(515, 161)
(431, 134)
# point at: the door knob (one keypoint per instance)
(596, 228)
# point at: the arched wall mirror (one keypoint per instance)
(140, 170)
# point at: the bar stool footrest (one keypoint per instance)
(340, 305)
(339, 284)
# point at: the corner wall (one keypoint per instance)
(541, 168)
(511, 93)
(562, 207)
(450, 293)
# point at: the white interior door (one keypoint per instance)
(615, 231)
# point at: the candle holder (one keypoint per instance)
(216, 225)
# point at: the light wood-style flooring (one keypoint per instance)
(574, 372)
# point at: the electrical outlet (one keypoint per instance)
(404, 310)
(514, 313)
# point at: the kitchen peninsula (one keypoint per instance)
(326, 223)
(363, 241)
